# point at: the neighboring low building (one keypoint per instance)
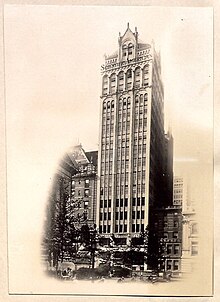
(84, 187)
(190, 248)
(170, 235)
(190, 244)
(72, 203)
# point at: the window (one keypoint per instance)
(113, 83)
(116, 215)
(129, 102)
(125, 215)
(169, 264)
(124, 51)
(126, 202)
(194, 228)
(112, 103)
(176, 249)
(109, 229)
(125, 228)
(143, 201)
(105, 85)
(130, 49)
(194, 248)
(86, 193)
(133, 228)
(105, 216)
(120, 228)
(146, 76)
(116, 228)
(100, 216)
(120, 81)
(176, 265)
(117, 202)
(133, 214)
(133, 202)
(109, 215)
(86, 183)
(138, 214)
(142, 214)
(121, 215)
(138, 228)
(169, 249)
(100, 229)
(137, 77)
(175, 235)
(104, 229)
(109, 203)
(176, 224)
(129, 79)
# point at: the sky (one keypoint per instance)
(53, 56)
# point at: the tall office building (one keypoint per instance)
(133, 158)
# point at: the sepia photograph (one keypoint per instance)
(109, 144)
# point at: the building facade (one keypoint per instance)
(133, 165)
(180, 197)
(190, 227)
(171, 239)
(71, 204)
(84, 187)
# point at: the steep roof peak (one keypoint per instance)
(128, 32)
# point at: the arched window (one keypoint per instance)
(124, 51)
(105, 85)
(120, 104)
(141, 100)
(129, 79)
(146, 75)
(124, 103)
(104, 107)
(113, 105)
(121, 81)
(130, 49)
(137, 77)
(113, 83)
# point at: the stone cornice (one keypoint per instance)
(116, 67)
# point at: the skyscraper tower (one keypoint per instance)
(132, 162)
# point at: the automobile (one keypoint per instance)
(66, 270)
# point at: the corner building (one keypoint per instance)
(132, 167)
